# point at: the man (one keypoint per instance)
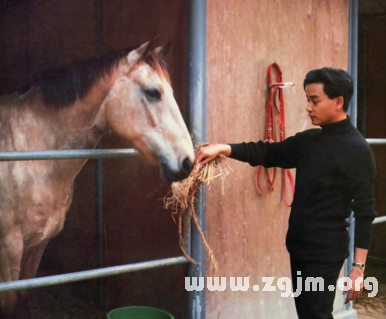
(335, 174)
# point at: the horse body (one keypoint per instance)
(35, 195)
(134, 99)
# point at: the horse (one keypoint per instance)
(128, 93)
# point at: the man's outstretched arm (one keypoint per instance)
(281, 154)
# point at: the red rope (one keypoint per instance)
(274, 92)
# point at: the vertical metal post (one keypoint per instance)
(196, 102)
(353, 57)
(353, 70)
(99, 167)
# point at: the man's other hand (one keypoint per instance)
(352, 294)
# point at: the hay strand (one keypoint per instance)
(183, 196)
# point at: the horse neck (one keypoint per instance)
(36, 126)
(78, 126)
(81, 125)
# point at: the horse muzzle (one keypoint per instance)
(174, 175)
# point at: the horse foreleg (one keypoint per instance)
(31, 260)
(11, 252)
(29, 266)
(30, 263)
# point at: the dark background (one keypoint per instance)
(372, 102)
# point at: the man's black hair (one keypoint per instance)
(336, 82)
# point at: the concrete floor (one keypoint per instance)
(373, 307)
(367, 313)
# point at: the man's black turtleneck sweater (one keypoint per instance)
(335, 173)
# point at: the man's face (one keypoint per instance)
(321, 109)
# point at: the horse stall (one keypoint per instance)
(117, 215)
(218, 63)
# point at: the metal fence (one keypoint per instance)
(89, 274)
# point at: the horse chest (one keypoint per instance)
(47, 214)
(34, 200)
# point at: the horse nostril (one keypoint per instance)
(187, 165)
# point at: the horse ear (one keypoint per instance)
(162, 50)
(137, 55)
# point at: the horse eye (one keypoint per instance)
(153, 94)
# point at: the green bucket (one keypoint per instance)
(138, 313)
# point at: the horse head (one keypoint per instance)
(142, 96)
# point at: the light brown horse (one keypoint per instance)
(72, 108)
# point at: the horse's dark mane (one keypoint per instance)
(61, 87)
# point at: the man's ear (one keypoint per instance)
(339, 102)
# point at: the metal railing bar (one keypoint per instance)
(376, 141)
(66, 154)
(379, 220)
(89, 274)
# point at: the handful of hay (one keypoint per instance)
(183, 196)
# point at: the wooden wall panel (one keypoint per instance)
(12, 43)
(246, 229)
(60, 33)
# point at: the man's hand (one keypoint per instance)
(207, 153)
(354, 275)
